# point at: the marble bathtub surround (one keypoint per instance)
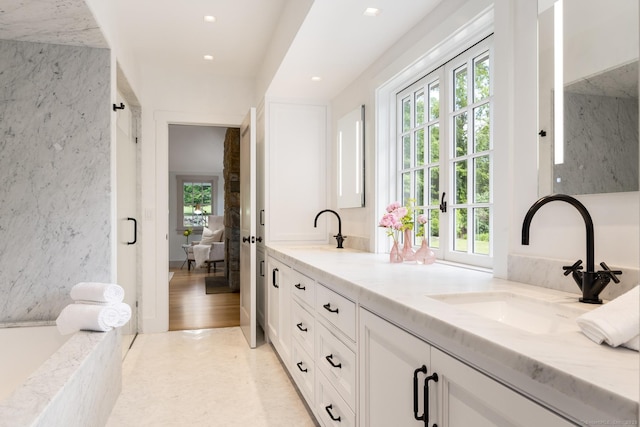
(56, 174)
(77, 385)
(565, 371)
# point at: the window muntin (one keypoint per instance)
(472, 153)
(450, 153)
(195, 199)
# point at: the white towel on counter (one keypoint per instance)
(98, 292)
(616, 323)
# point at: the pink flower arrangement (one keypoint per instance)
(422, 220)
(398, 218)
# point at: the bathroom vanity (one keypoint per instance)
(370, 343)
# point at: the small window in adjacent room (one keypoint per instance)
(196, 197)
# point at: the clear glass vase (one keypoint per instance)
(425, 255)
(408, 254)
(395, 256)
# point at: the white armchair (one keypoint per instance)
(210, 250)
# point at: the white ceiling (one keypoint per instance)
(335, 41)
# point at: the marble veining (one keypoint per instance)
(67, 22)
(601, 134)
(77, 386)
(55, 202)
(564, 371)
(547, 273)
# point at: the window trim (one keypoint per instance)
(180, 180)
(385, 97)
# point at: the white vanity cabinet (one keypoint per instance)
(279, 306)
(390, 359)
(397, 369)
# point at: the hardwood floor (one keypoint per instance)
(191, 308)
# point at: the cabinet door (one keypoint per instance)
(467, 397)
(273, 300)
(389, 358)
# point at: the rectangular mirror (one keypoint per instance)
(588, 140)
(350, 143)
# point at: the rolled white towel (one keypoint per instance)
(89, 317)
(616, 322)
(633, 343)
(124, 314)
(98, 292)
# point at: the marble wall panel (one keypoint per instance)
(55, 226)
(601, 145)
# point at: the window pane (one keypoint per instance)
(460, 182)
(434, 101)
(420, 196)
(434, 143)
(481, 135)
(406, 152)
(481, 231)
(460, 134)
(460, 243)
(434, 228)
(406, 187)
(460, 88)
(196, 203)
(406, 114)
(434, 186)
(482, 190)
(419, 108)
(481, 79)
(420, 154)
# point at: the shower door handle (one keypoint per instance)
(135, 231)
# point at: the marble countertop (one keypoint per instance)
(590, 383)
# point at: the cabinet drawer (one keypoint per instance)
(303, 326)
(338, 363)
(337, 309)
(330, 407)
(303, 370)
(303, 287)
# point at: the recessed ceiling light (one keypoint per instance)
(316, 78)
(371, 11)
(209, 18)
(208, 57)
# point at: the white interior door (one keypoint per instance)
(126, 177)
(248, 318)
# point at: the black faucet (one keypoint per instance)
(590, 282)
(338, 236)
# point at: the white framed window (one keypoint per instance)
(195, 200)
(444, 153)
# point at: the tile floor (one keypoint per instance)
(206, 377)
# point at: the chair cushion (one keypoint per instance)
(209, 237)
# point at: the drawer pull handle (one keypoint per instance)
(302, 328)
(299, 364)
(327, 307)
(422, 369)
(274, 278)
(299, 286)
(433, 377)
(330, 360)
(333, 417)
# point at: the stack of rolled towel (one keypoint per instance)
(616, 323)
(97, 307)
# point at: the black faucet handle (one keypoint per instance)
(572, 268)
(613, 274)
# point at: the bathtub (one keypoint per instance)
(51, 380)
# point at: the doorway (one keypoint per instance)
(199, 163)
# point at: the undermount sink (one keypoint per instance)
(529, 314)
